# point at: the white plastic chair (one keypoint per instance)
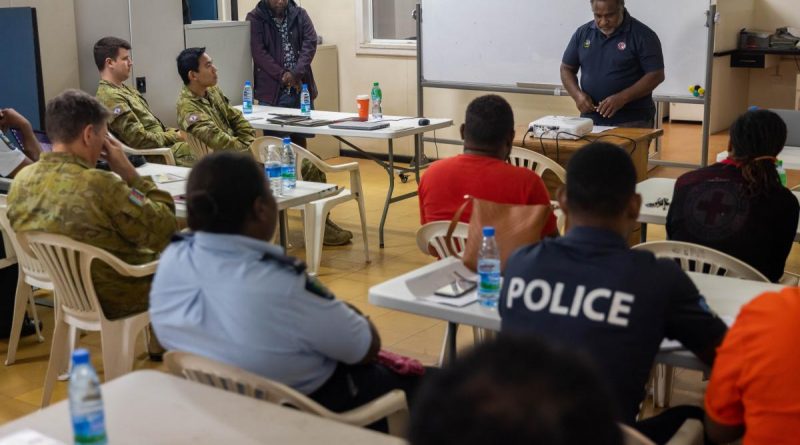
(690, 433)
(164, 152)
(31, 273)
(432, 236)
(700, 259)
(540, 164)
(536, 162)
(316, 212)
(69, 262)
(391, 406)
(197, 147)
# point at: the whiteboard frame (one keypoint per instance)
(560, 90)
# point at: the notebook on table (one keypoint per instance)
(356, 125)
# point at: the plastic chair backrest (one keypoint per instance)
(68, 263)
(35, 273)
(539, 163)
(230, 378)
(392, 406)
(701, 259)
(259, 146)
(198, 148)
(431, 239)
(632, 437)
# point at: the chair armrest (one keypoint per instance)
(690, 433)
(165, 152)
(328, 168)
(380, 408)
(130, 270)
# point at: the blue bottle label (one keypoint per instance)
(90, 429)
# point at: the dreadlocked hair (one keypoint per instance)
(757, 137)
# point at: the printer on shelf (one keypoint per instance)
(561, 127)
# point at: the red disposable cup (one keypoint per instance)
(362, 101)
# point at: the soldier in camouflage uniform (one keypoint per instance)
(203, 111)
(132, 121)
(64, 194)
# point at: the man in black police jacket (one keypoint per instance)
(588, 291)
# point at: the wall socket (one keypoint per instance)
(141, 85)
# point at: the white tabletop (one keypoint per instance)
(151, 407)
(304, 193)
(408, 293)
(789, 155)
(655, 188)
(399, 126)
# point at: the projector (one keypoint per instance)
(561, 127)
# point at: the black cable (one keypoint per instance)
(435, 144)
(633, 141)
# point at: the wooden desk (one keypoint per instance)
(635, 141)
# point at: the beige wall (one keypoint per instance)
(336, 21)
(775, 87)
(57, 43)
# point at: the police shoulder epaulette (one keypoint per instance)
(181, 236)
(297, 265)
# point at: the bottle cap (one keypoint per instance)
(247, 83)
(375, 84)
(287, 140)
(305, 86)
(780, 163)
(80, 356)
(488, 231)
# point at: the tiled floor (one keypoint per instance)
(343, 270)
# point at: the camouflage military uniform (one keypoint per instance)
(213, 121)
(135, 125)
(63, 194)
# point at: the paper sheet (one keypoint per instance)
(29, 437)
(600, 128)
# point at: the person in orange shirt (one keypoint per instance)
(754, 390)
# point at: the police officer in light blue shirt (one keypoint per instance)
(226, 293)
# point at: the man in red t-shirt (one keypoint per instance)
(754, 388)
(488, 133)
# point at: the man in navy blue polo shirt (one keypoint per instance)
(589, 292)
(620, 62)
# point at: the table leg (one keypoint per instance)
(643, 232)
(282, 229)
(388, 193)
(419, 154)
(452, 332)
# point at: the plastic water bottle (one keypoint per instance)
(272, 167)
(305, 101)
(781, 172)
(247, 98)
(488, 270)
(377, 97)
(86, 402)
(288, 168)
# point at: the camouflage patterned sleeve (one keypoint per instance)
(200, 125)
(241, 128)
(142, 214)
(128, 129)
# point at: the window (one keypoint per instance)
(387, 27)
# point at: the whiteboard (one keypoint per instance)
(506, 42)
